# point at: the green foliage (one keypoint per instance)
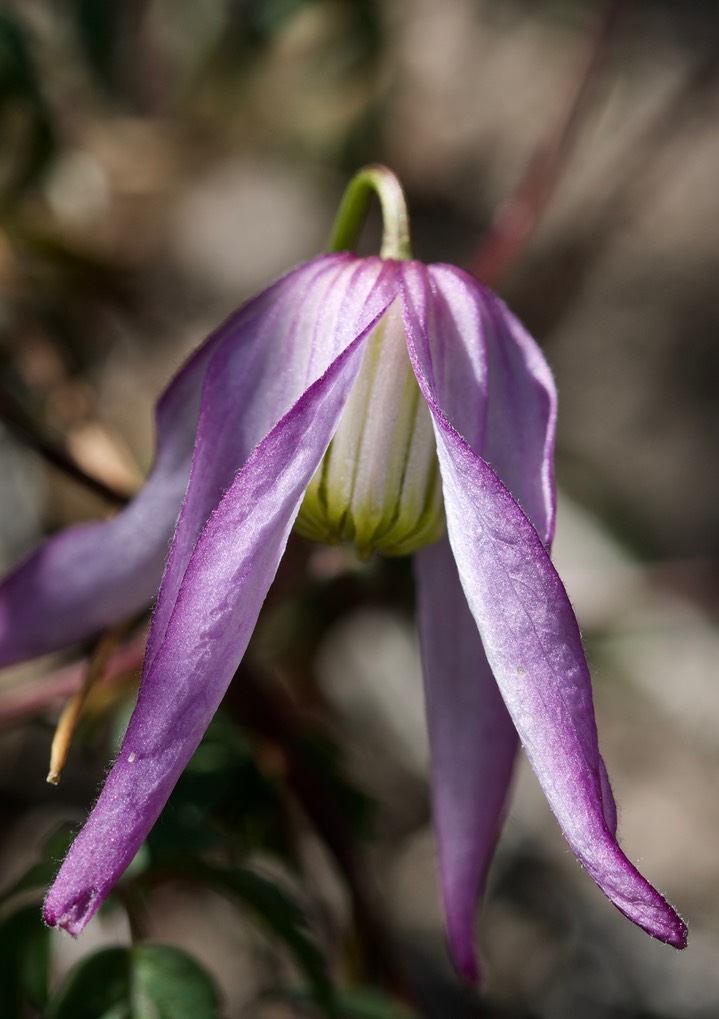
(358, 1004)
(99, 30)
(324, 757)
(24, 939)
(280, 915)
(145, 981)
(371, 1005)
(223, 800)
(224, 804)
(26, 132)
(24, 961)
(256, 24)
(223, 807)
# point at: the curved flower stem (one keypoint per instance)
(353, 209)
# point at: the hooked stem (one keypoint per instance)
(382, 182)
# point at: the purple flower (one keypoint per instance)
(418, 416)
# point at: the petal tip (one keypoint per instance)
(461, 950)
(73, 916)
(665, 924)
(678, 934)
(466, 967)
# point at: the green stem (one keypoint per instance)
(395, 222)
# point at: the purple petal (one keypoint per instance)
(224, 585)
(518, 396)
(534, 648)
(521, 421)
(473, 745)
(497, 389)
(280, 343)
(491, 380)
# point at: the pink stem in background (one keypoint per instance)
(517, 218)
(35, 696)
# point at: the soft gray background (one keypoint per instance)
(195, 172)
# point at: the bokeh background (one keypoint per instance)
(161, 161)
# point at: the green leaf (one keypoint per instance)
(325, 757)
(371, 1005)
(279, 913)
(362, 1004)
(100, 34)
(24, 960)
(21, 97)
(143, 982)
(169, 984)
(221, 800)
(97, 988)
(18, 75)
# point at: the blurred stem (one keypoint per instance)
(53, 450)
(518, 217)
(33, 697)
(132, 903)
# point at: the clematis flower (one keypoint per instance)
(399, 406)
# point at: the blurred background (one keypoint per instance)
(159, 163)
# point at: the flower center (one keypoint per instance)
(378, 484)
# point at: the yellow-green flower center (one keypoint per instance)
(378, 484)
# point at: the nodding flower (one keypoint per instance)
(392, 404)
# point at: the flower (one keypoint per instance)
(338, 398)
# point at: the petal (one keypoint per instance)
(534, 648)
(517, 393)
(224, 585)
(280, 343)
(522, 414)
(497, 389)
(491, 380)
(473, 745)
